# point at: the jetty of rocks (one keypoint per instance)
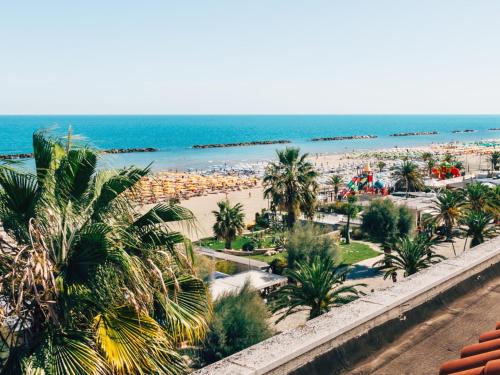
(413, 133)
(465, 131)
(494, 129)
(109, 151)
(343, 138)
(240, 144)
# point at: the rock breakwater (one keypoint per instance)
(343, 138)
(109, 151)
(413, 133)
(242, 144)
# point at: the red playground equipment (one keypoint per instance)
(446, 170)
(364, 183)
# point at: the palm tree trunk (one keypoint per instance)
(347, 235)
(227, 244)
(465, 244)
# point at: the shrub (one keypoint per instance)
(406, 221)
(278, 265)
(383, 221)
(239, 321)
(248, 246)
(380, 220)
(308, 241)
(357, 234)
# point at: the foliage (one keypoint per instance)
(317, 285)
(351, 211)
(278, 265)
(406, 221)
(307, 241)
(229, 221)
(408, 177)
(381, 165)
(478, 196)
(410, 256)
(495, 160)
(338, 207)
(239, 321)
(262, 220)
(447, 209)
(478, 226)
(93, 286)
(336, 181)
(291, 184)
(381, 220)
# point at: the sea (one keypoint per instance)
(174, 135)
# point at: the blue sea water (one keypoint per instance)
(174, 136)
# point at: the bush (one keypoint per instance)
(278, 265)
(380, 220)
(248, 246)
(406, 221)
(308, 241)
(383, 221)
(357, 234)
(240, 320)
(336, 207)
(262, 220)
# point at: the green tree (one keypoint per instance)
(406, 221)
(477, 197)
(291, 184)
(408, 177)
(92, 286)
(336, 181)
(495, 160)
(317, 285)
(447, 208)
(478, 226)
(430, 161)
(351, 211)
(410, 256)
(381, 165)
(229, 222)
(240, 319)
(380, 220)
(305, 242)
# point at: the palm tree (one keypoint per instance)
(448, 158)
(410, 256)
(430, 161)
(351, 211)
(448, 209)
(336, 181)
(291, 183)
(381, 165)
(92, 286)
(408, 177)
(228, 222)
(478, 226)
(477, 196)
(318, 285)
(495, 160)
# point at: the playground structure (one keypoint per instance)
(364, 183)
(446, 170)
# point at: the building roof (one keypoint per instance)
(258, 280)
(477, 359)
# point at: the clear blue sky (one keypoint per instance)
(197, 57)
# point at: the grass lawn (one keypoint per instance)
(215, 244)
(355, 252)
(268, 258)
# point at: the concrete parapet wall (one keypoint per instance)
(348, 334)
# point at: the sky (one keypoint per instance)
(250, 57)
